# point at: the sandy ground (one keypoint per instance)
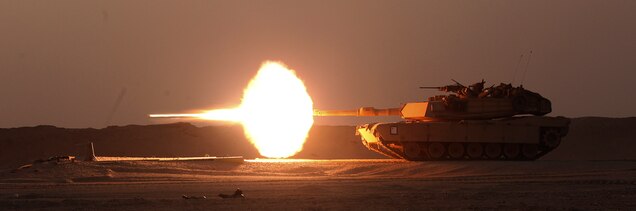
(322, 185)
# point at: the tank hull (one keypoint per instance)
(516, 138)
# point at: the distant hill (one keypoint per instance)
(590, 138)
(23, 145)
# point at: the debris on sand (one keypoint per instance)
(53, 160)
(193, 197)
(237, 194)
(56, 159)
(22, 167)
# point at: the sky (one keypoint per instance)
(98, 63)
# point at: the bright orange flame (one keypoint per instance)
(276, 111)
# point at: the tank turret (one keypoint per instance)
(464, 103)
(477, 102)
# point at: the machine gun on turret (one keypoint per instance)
(472, 91)
(457, 88)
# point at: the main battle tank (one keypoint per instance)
(470, 123)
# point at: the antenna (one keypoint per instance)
(526, 70)
(517, 69)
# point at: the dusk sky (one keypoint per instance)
(66, 63)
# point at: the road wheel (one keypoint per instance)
(456, 150)
(412, 151)
(511, 151)
(493, 151)
(529, 151)
(551, 138)
(474, 150)
(436, 150)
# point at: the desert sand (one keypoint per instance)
(376, 184)
(594, 168)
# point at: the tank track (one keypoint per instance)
(461, 151)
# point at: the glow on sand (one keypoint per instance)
(276, 111)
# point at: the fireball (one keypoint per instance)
(276, 111)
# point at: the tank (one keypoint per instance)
(468, 123)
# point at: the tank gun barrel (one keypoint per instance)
(364, 111)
